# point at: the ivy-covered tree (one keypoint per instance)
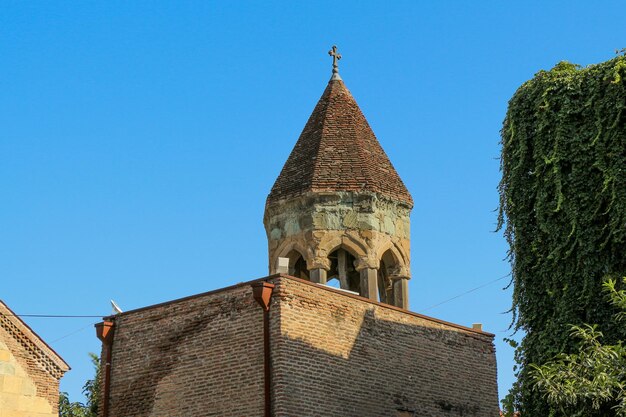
(593, 379)
(563, 210)
(91, 390)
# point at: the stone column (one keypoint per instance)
(368, 268)
(401, 292)
(369, 283)
(318, 275)
(342, 268)
(318, 269)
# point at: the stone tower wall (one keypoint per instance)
(315, 224)
(337, 355)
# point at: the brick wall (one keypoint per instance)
(202, 356)
(334, 355)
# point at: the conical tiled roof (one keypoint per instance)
(338, 151)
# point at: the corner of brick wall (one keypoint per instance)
(194, 357)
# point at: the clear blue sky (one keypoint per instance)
(140, 139)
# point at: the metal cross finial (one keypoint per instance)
(336, 58)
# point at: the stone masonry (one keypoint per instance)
(315, 224)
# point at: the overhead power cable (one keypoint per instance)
(425, 309)
(57, 316)
(466, 292)
(60, 316)
(72, 333)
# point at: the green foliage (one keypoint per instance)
(91, 389)
(563, 210)
(70, 409)
(593, 379)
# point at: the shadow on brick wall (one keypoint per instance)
(393, 369)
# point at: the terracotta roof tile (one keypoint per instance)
(338, 151)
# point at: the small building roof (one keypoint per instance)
(338, 151)
(27, 337)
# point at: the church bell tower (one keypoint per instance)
(338, 209)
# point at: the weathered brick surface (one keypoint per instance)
(29, 370)
(332, 355)
(202, 356)
(339, 356)
(338, 151)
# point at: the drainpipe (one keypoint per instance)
(105, 331)
(262, 293)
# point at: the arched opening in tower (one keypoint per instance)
(297, 265)
(342, 269)
(388, 264)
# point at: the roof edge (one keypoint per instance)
(34, 337)
(300, 280)
(378, 195)
(191, 297)
(327, 90)
(389, 306)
